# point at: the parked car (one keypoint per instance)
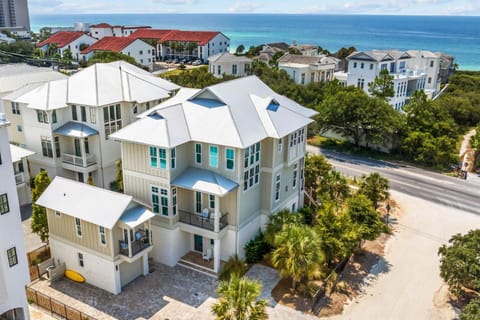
(197, 62)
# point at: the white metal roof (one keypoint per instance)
(19, 153)
(80, 200)
(50, 95)
(204, 181)
(228, 57)
(235, 113)
(76, 130)
(135, 215)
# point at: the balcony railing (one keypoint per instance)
(78, 161)
(19, 178)
(207, 223)
(138, 245)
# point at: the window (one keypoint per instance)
(213, 157)
(198, 153)
(83, 113)
(57, 147)
(174, 201)
(312, 77)
(280, 145)
(303, 78)
(401, 66)
(219, 70)
(295, 172)
(383, 66)
(431, 63)
(42, 116)
(74, 113)
(173, 160)
(211, 201)
(80, 259)
(87, 146)
(354, 64)
(12, 257)
(160, 201)
(302, 177)
(78, 227)
(19, 128)
(429, 80)
(360, 83)
(47, 147)
(112, 118)
(234, 69)
(103, 237)
(362, 65)
(15, 108)
(392, 67)
(371, 66)
(158, 157)
(277, 187)
(4, 207)
(54, 116)
(251, 173)
(198, 202)
(93, 115)
(58, 214)
(230, 159)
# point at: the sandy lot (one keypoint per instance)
(412, 288)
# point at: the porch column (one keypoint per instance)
(145, 264)
(129, 243)
(216, 222)
(118, 281)
(84, 155)
(150, 232)
(216, 255)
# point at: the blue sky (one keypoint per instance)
(397, 7)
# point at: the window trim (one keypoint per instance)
(4, 205)
(210, 157)
(211, 201)
(278, 187)
(198, 153)
(173, 158)
(295, 176)
(103, 241)
(78, 227)
(12, 258)
(80, 259)
(227, 159)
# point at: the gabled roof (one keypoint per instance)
(101, 25)
(301, 59)
(279, 45)
(98, 85)
(81, 200)
(157, 34)
(116, 44)
(228, 57)
(235, 113)
(19, 153)
(423, 54)
(61, 38)
(379, 55)
(201, 37)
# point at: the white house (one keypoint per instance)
(306, 49)
(22, 175)
(430, 63)
(229, 64)
(14, 274)
(67, 122)
(364, 67)
(74, 41)
(101, 234)
(213, 165)
(101, 30)
(308, 69)
(142, 52)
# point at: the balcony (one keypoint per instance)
(19, 178)
(140, 243)
(79, 161)
(197, 220)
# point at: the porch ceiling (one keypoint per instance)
(76, 130)
(204, 181)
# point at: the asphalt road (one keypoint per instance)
(438, 188)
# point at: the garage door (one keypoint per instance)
(130, 271)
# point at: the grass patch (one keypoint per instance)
(170, 73)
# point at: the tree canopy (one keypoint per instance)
(39, 223)
(110, 56)
(382, 86)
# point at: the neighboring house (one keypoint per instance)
(4, 38)
(229, 64)
(67, 122)
(429, 62)
(308, 69)
(213, 165)
(306, 49)
(101, 234)
(447, 66)
(153, 36)
(279, 45)
(142, 52)
(22, 176)
(14, 274)
(268, 51)
(14, 76)
(364, 67)
(101, 30)
(71, 40)
(194, 44)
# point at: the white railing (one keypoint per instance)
(78, 161)
(19, 177)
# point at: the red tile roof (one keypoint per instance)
(137, 27)
(202, 37)
(150, 34)
(101, 25)
(115, 44)
(61, 38)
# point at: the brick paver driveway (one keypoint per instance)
(143, 298)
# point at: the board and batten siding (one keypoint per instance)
(136, 158)
(63, 226)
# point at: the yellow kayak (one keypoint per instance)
(74, 276)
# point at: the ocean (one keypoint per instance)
(455, 35)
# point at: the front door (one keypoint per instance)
(198, 243)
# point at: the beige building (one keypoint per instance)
(229, 64)
(107, 241)
(213, 165)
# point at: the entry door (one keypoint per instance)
(198, 243)
(78, 150)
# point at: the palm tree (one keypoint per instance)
(298, 253)
(375, 187)
(334, 187)
(233, 266)
(238, 300)
(276, 223)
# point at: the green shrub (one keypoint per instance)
(257, 248)
(471, 310)
(234, 265)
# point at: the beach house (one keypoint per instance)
(102, 235)
(75, 41)
(229, 64)
(305, 69)
(14, 274)
(101, 30)
(67, 122)
(213, 165)
(22, 175)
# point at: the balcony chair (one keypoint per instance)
(207, 255)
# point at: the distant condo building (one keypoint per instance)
(14, 13)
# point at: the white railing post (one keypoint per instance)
(216, 222)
